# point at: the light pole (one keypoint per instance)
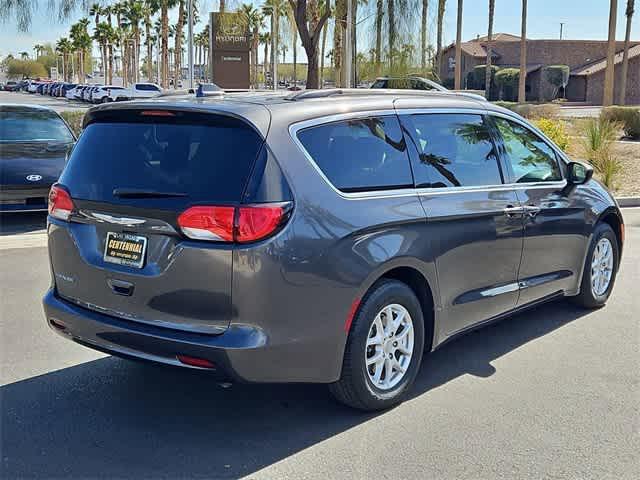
(190, 41)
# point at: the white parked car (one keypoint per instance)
(32, 87)
(102, 94)
(72, 92)
(137, 90)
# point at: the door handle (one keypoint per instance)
(532, 210)
(511, 211)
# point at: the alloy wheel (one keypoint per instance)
(601, 267)
(389, 348)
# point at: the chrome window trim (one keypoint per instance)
(412, 191)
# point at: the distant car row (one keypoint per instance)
(86, 93)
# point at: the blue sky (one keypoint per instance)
(584, 19)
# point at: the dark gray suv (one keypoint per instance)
(328, 236)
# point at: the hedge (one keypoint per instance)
(629, 117)
(532, 111)
(74, 119)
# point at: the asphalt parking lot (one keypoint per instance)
(553, 393)
(59, 104)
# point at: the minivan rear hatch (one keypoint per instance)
(130, 176)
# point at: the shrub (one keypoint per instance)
(599, 135)
(555, 130)
(557, 76)
(74, 119)
(532, 111)
(507, 81)
(476, 79)
(629, 117)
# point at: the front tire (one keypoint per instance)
(384, 349)
(600, 268)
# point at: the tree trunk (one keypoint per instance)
(379, 18)
(609, 76)
(458, 68)
(313, 79)
(392, 32)
(177, 76)
(424, 35)
(265, 66)
(164, 15)
(487, 74)
(256, 47)
(322, 54)
(149, 52)
(522, 81)
(439, 34)
(625, 56)
(295, 55)
(338, 41)
(222, 5)
(110, 47)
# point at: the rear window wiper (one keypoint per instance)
(140, 193)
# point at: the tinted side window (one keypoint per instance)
(454, 150)
(531, 159)
(144, 86)
(360, 154)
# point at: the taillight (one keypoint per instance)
(208, 223)
(247, 223)
(60, 204)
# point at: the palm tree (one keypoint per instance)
(95, 10)
(164, 40)
(611, 53)
(339, 32)
(379, 20)
(323, 47)
(65, 47)
(487, 75)
(177, 76)
(424, 34)
(222, 6)
(38, 49)
(149, 8)
(81, 42)
(522, 80)
(103, 34)
(458, 68)
(265, 39)
(252, 21)
(625, 56)
(24, 55)
(392, 33)
(442, 5)
(274, 9)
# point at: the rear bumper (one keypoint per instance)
(233, 352)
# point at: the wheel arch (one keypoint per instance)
(612, 217)
(418, 282)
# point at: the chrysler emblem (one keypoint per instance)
(34, 178)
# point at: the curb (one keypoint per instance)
(628, 201)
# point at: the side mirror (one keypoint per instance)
(579, 173)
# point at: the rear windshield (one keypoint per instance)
(202, 162)
(20, 125)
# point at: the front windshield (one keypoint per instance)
(22, 125)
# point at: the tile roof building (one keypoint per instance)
(585, 58)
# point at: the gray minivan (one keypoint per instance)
(328, 236)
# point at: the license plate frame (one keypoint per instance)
(131, 252)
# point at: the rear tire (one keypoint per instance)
(360, 385)
(600, 268)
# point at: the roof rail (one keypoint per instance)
(330, 92)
